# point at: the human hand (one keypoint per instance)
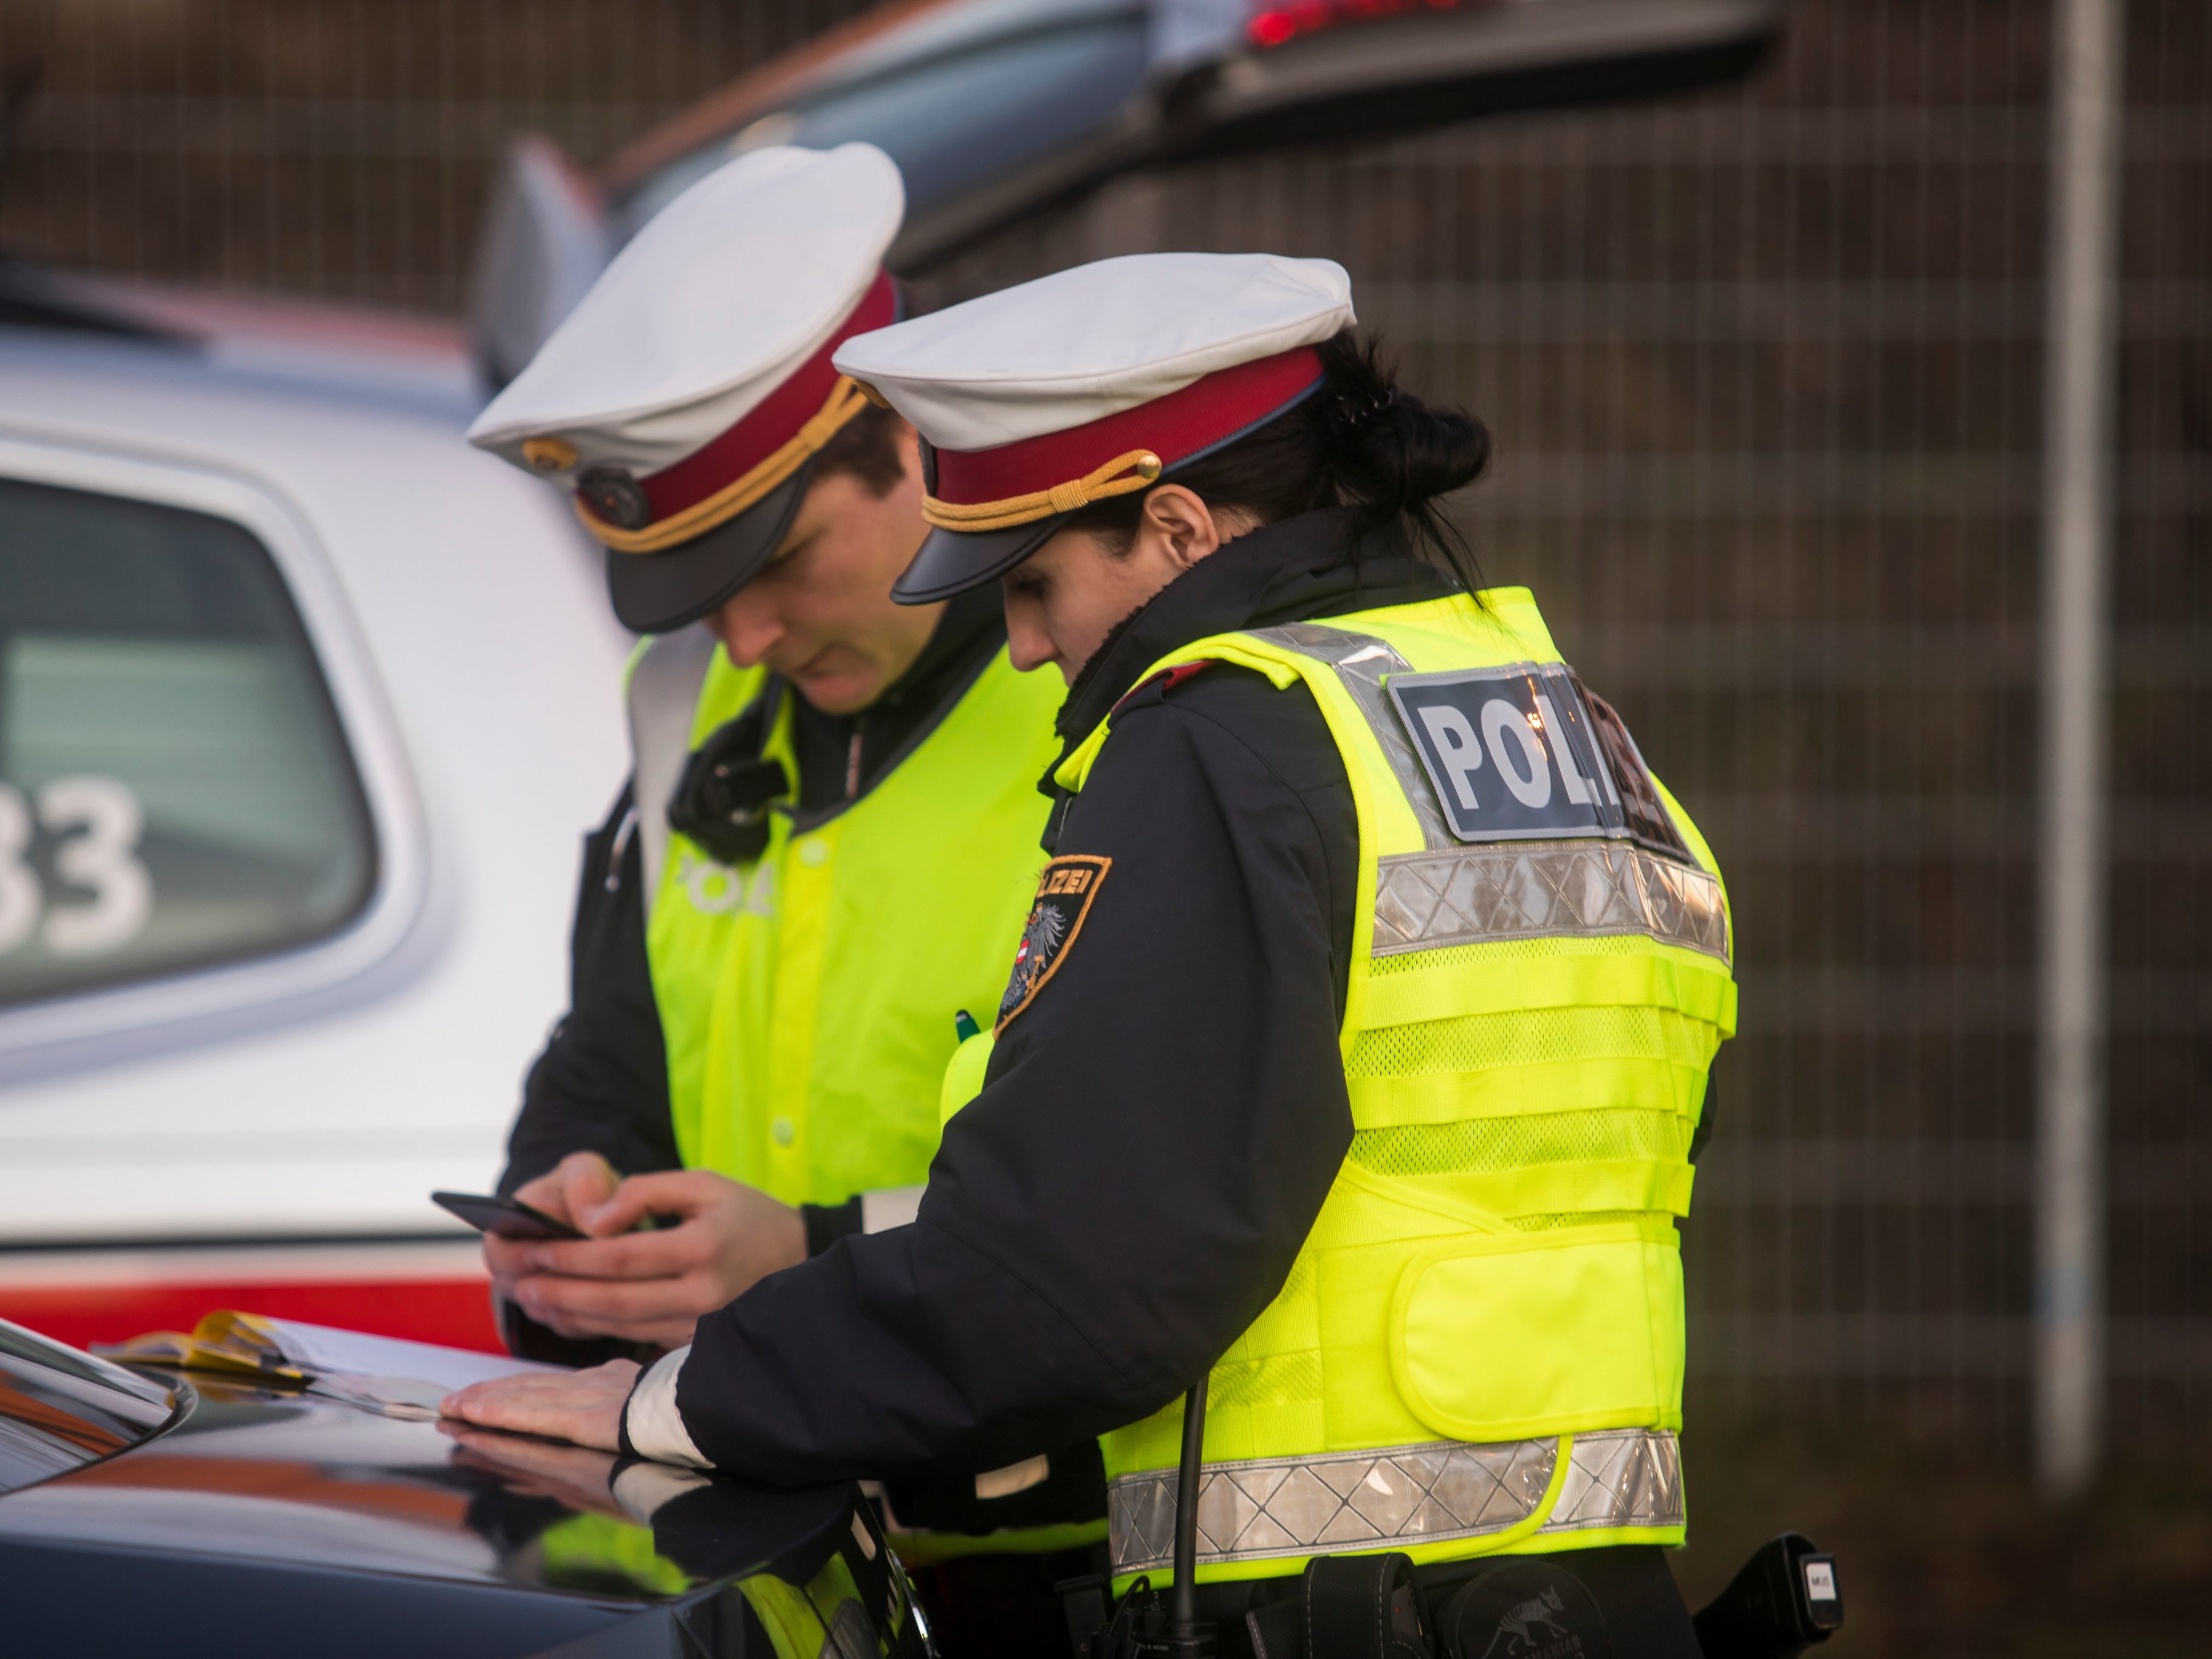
(584, 1406)
(579, 1182)
(653, 1286)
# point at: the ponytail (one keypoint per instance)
(1390, 455)
(1360, 441)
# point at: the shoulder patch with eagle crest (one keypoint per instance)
(1063, 899)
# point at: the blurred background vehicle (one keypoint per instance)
(997, 109)
(1767, 363)
(246, 1516)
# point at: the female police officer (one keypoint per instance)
(1358, 1036)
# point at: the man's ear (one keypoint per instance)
(908, 441)
(1180, 525)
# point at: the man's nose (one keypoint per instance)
(747, 627)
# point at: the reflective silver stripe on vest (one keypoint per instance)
(664, 684)
(1551, 889)
(1361, 661)
(1457, 894)
(1269, 1507)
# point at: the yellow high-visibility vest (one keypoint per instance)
(807, 999)
(1479, 1348)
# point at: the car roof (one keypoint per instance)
(337, 354)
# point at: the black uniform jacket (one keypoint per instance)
(1161, 1121)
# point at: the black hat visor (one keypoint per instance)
(658, 593)
(953, 561)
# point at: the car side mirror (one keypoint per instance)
(544, 243)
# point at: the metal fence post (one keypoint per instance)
(2077, 507)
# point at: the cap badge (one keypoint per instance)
(614, 497)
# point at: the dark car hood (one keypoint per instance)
(282, 1476)
(200, 1516)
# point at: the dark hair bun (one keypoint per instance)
(1386, 451)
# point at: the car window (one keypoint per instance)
(60, 1409)
(957, 122)
(175, 789)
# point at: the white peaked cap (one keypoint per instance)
(1082, 344)
(724, 292)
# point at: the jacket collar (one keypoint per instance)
(967, 636)
(1293, 570)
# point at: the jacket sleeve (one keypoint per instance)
(601, 1083)
(1156, 1135)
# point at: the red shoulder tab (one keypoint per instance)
(1167, 679)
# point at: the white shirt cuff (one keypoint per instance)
(893, 1207)
(656, 1427)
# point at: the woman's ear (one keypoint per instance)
(1179, 526)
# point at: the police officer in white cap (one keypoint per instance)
(1350, 1064)
(821, 858)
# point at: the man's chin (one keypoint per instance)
(836, 694)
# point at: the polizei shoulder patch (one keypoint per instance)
(1063, 899)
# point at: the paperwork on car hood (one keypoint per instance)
(383, 1374)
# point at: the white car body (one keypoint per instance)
(275, 1124)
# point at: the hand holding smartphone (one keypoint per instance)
(505, 1218)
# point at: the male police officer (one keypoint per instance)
(833, 818)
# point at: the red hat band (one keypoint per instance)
(1056, 472)
(759, 451)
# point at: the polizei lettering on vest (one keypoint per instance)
(721, 890)
(1514, 754)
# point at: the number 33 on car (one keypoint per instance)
(287, 835)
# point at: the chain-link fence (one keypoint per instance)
(337, 148)
(1764, 367)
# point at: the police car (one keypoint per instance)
(303, 706)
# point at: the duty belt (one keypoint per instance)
(1263, 1508)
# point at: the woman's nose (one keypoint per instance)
(1027, 648)
(1029, 644)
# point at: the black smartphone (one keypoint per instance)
(509, 1217)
